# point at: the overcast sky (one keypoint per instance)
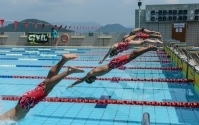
(102, 12)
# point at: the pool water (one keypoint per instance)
(32, 61)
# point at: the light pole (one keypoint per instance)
(139, 5)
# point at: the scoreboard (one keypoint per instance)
(172, 13)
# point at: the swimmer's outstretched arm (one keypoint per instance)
(79, 81)
(152, 41)
(136, 30)
(107, 54)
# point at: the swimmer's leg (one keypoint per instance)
(55, 69)
(53, 81)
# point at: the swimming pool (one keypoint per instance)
(37, 61)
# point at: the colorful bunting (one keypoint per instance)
(43, 25)
(2, 22)
(36, 25)
(26, 23)
(15, 24)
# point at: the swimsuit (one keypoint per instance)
(122, 46)
(142, 35)
(118, 61)
(32, 97)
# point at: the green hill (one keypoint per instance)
(21, 27)
(114, 28)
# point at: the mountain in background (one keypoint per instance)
(69, 23)
(107, 28)
(6, 22)
(114, 28)
(75, 27)
(82, 26)
(130, 26)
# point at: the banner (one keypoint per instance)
(38, 38)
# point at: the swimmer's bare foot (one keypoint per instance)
(154, 32)
(152, 47)
(157, 33)
(69, 56)
(158, 41)
(73, 69)
(155, 36)
(159, 36)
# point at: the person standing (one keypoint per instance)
(54, 36)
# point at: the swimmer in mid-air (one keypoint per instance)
(122, 46)
(140, 33)
(130, 40)
(114, 63)
(32, 97)
(144, 30)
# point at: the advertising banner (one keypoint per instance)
(38, 38)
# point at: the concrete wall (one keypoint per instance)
(15, 39)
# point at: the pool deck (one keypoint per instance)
(184, 57)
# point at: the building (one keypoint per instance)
(177, 21)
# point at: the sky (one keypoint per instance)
(102, 12)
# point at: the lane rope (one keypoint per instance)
(108, 101)
(121, 68)
(31, 59)
(107, 79)
(46, 54)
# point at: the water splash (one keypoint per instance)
(7, 121)
(1, 106)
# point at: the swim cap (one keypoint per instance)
(131, 34)
(114, 52)
(89, 81)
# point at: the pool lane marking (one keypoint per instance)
(100, 105)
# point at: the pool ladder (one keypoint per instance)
(145, 119)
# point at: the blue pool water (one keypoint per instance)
(18, 61)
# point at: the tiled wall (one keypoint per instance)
(192, 32)
(14, 39)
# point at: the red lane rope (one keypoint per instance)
(109, 79)
(121, 102)
(132, 60)
(159, 52)
(123, 67)
(163, 56)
